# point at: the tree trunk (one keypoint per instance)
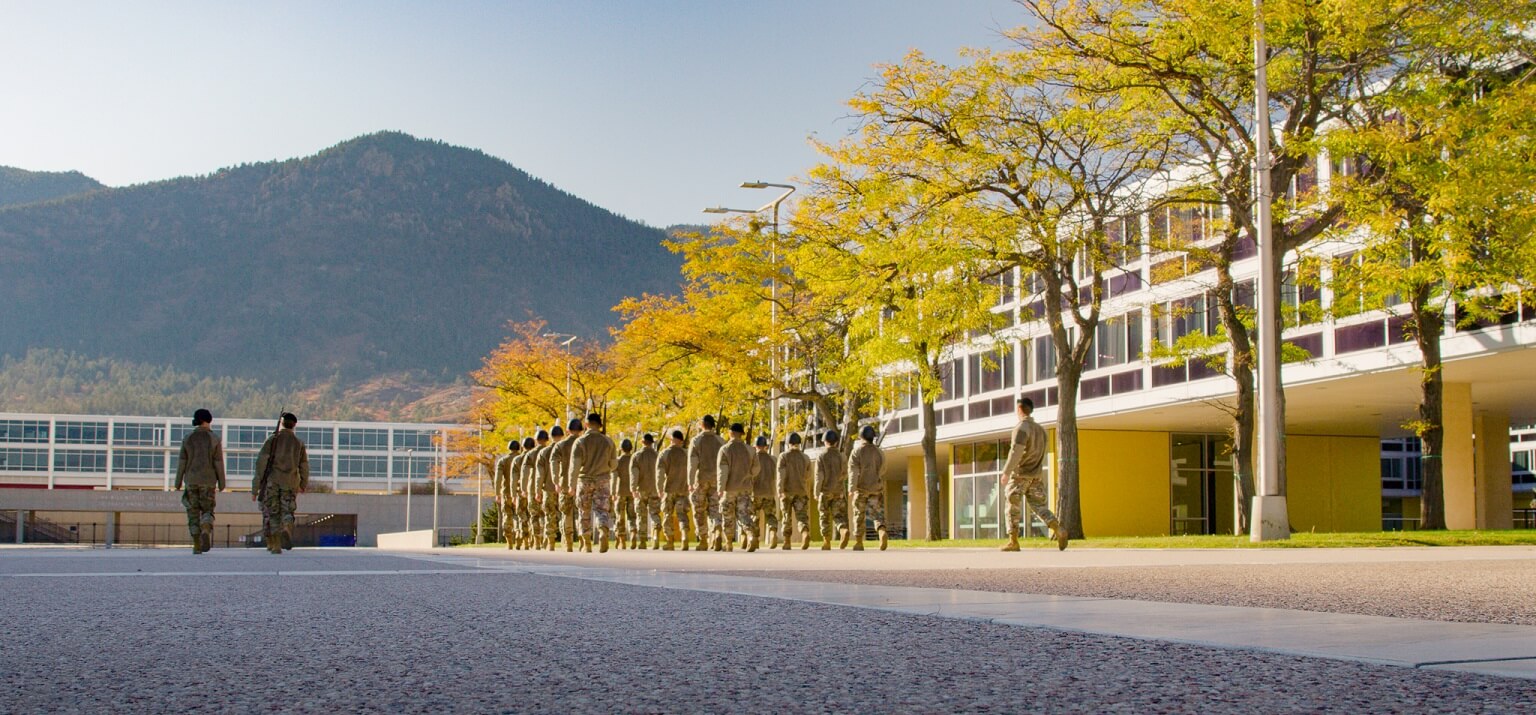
(1428, 326)
(1242, 375)
(931, 469)
(1069, 508)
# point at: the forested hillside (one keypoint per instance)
(19, 187)
(382, 255)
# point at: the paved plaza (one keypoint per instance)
(488, 630)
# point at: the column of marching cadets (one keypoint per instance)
(574, 486)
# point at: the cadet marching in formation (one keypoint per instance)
(714, 486)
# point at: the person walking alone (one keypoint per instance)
(1026, 477)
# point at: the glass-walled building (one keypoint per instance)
(121, 452)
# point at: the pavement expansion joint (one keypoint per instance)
(1490, 649)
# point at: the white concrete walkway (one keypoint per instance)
(1491, 649)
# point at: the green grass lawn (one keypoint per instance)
(1297, 541)
(1524, 537)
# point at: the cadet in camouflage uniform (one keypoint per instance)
(560, 471)
(504, 493)
(866, 488)
(703, 451)
(201, 470)
(764, 492)
(279, 488)
(736, 474)
(832, 493)
(593, 460)
(544, 476)
(520, 498)
(623, 500)
(1026, 478)
(672, 484)
(642, 483)
(795, 491)
(521, 472)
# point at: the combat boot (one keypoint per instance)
(286, 538)
(1059, 533)
(570, 545)
(826, 543)
(602, 541)
(843, 543)
(858, 543)
(752, 540)
(197, 544)
(586, 543)
(885, 539)
(274, 545)
(1013, 543)
(773, 539)
(805, 541)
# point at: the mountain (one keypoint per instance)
(383, 254)
(19, 187)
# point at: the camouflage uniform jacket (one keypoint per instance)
(830, 478)
(621, 481)
(767, 476)
(794, 467)
(672, 471)
(702, 453)
(642, 471)
(592, 457)
(202, 460)
(864, 468)
(735, 468)
(1027, 453)
(560, 463)
(543, 472)
(500, 482)
(290, 462)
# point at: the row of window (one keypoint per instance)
(150, 434)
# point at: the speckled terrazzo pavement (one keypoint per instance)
(1463, 591)
(347, 637)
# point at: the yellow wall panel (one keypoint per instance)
(1124, 483)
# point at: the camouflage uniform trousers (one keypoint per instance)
(706, 511)
(551, 515)
(770, 511)
(834, 514)
(647, 516)
(279, 504)
(524, 517)
(1026, 489)
(568, 515)
(736, 508)
(869, 505)
(594, 501)
(674, 516)
(199, 503)
(797, 513)
(624, 513)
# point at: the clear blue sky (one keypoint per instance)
(651, 108)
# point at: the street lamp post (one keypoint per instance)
(442, 465)
(410, 465)
(566, 344)
(773, 302)
(1268, 518)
